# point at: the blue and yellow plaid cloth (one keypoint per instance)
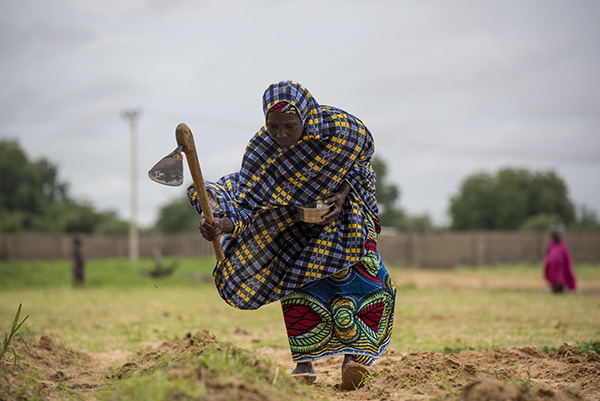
(270, 252)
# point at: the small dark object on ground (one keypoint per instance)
(159, 269)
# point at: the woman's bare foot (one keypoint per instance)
(353, 373)
(305, 372)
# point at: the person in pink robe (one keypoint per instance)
(558, 265)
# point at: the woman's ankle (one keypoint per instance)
(304, 367)
(347, 359)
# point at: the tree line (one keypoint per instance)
(34, 199)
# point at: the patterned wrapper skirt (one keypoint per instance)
(351, 312)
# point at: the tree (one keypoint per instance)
(586, 219)
(387, 194)
(21, 186)
(177, 216)
(540, 222)
(111, 225)
(390, 214)
(420, 222)
(470, 209)
(27, 189)
(32, 198)
(506, 200)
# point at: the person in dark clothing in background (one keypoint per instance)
(78, 262)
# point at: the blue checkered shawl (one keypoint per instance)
(270, 252)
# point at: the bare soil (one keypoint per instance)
(524, 374)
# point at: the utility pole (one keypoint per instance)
(134, 240)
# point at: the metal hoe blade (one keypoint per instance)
(169, 170)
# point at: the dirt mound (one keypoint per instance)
(225, 371)
(46, 370)
(154, 354)
(495, 390)
(43, 368)
(52, 371)
(523, 374)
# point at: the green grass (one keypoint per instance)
(583, 271)
(120, 309)
(443, 320)
(103, 319)
(449, 317)
(113, 273)
(128, 308)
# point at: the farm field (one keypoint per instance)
(459, 334)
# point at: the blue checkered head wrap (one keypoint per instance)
(298, 96)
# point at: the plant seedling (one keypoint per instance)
(14, 332)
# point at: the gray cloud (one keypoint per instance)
(447, 89)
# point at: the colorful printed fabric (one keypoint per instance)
(283, 107)
(351, 312)
(270, 253)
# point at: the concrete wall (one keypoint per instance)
(428, 250)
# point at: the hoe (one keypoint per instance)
(169, 171)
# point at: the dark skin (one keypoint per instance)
(286, 130)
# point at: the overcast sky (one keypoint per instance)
(448, 88)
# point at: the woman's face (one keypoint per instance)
(284, 128)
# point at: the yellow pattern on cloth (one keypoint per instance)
(270, 252)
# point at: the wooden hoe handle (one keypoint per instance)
(186, 139)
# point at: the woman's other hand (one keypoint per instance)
(337, 199)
